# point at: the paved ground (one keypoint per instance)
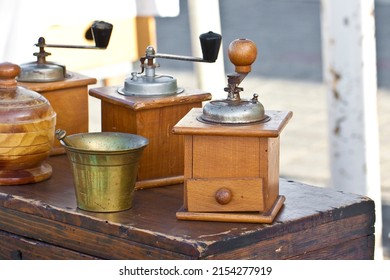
(288, 76)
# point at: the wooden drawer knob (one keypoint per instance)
(223, 196)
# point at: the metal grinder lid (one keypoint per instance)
(41, 72)
(233, 112)
(146, 85)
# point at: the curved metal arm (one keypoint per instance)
(179, 57)
(70, 46)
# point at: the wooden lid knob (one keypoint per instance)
(242, 53)
(8, 74)
(223, 196)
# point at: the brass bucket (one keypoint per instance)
(105, 166)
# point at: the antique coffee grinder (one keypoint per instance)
(231, 166)
(66, 91)
(150, 104)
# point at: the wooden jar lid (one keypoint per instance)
(21, 109)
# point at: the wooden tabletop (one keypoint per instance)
(311, 218)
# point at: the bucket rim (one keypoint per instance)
(143, 143)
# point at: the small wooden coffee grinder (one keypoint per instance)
(66, 91)
(232, 153)
(150, 105)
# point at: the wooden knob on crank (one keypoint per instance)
(242, 53)
(223, 196)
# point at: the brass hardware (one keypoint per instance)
(104, 166)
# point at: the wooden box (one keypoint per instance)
(231, 169)
(41, 221)
(69, 99)
(162, 161)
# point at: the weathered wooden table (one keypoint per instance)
(41, 221)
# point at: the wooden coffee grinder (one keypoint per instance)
(66, 91)
(231, 166)
(150, 105)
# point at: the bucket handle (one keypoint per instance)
(61, 136)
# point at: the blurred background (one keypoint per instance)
(287, 75)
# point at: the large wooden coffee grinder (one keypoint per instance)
(232, 153)
(67, 91)
(150, 104)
